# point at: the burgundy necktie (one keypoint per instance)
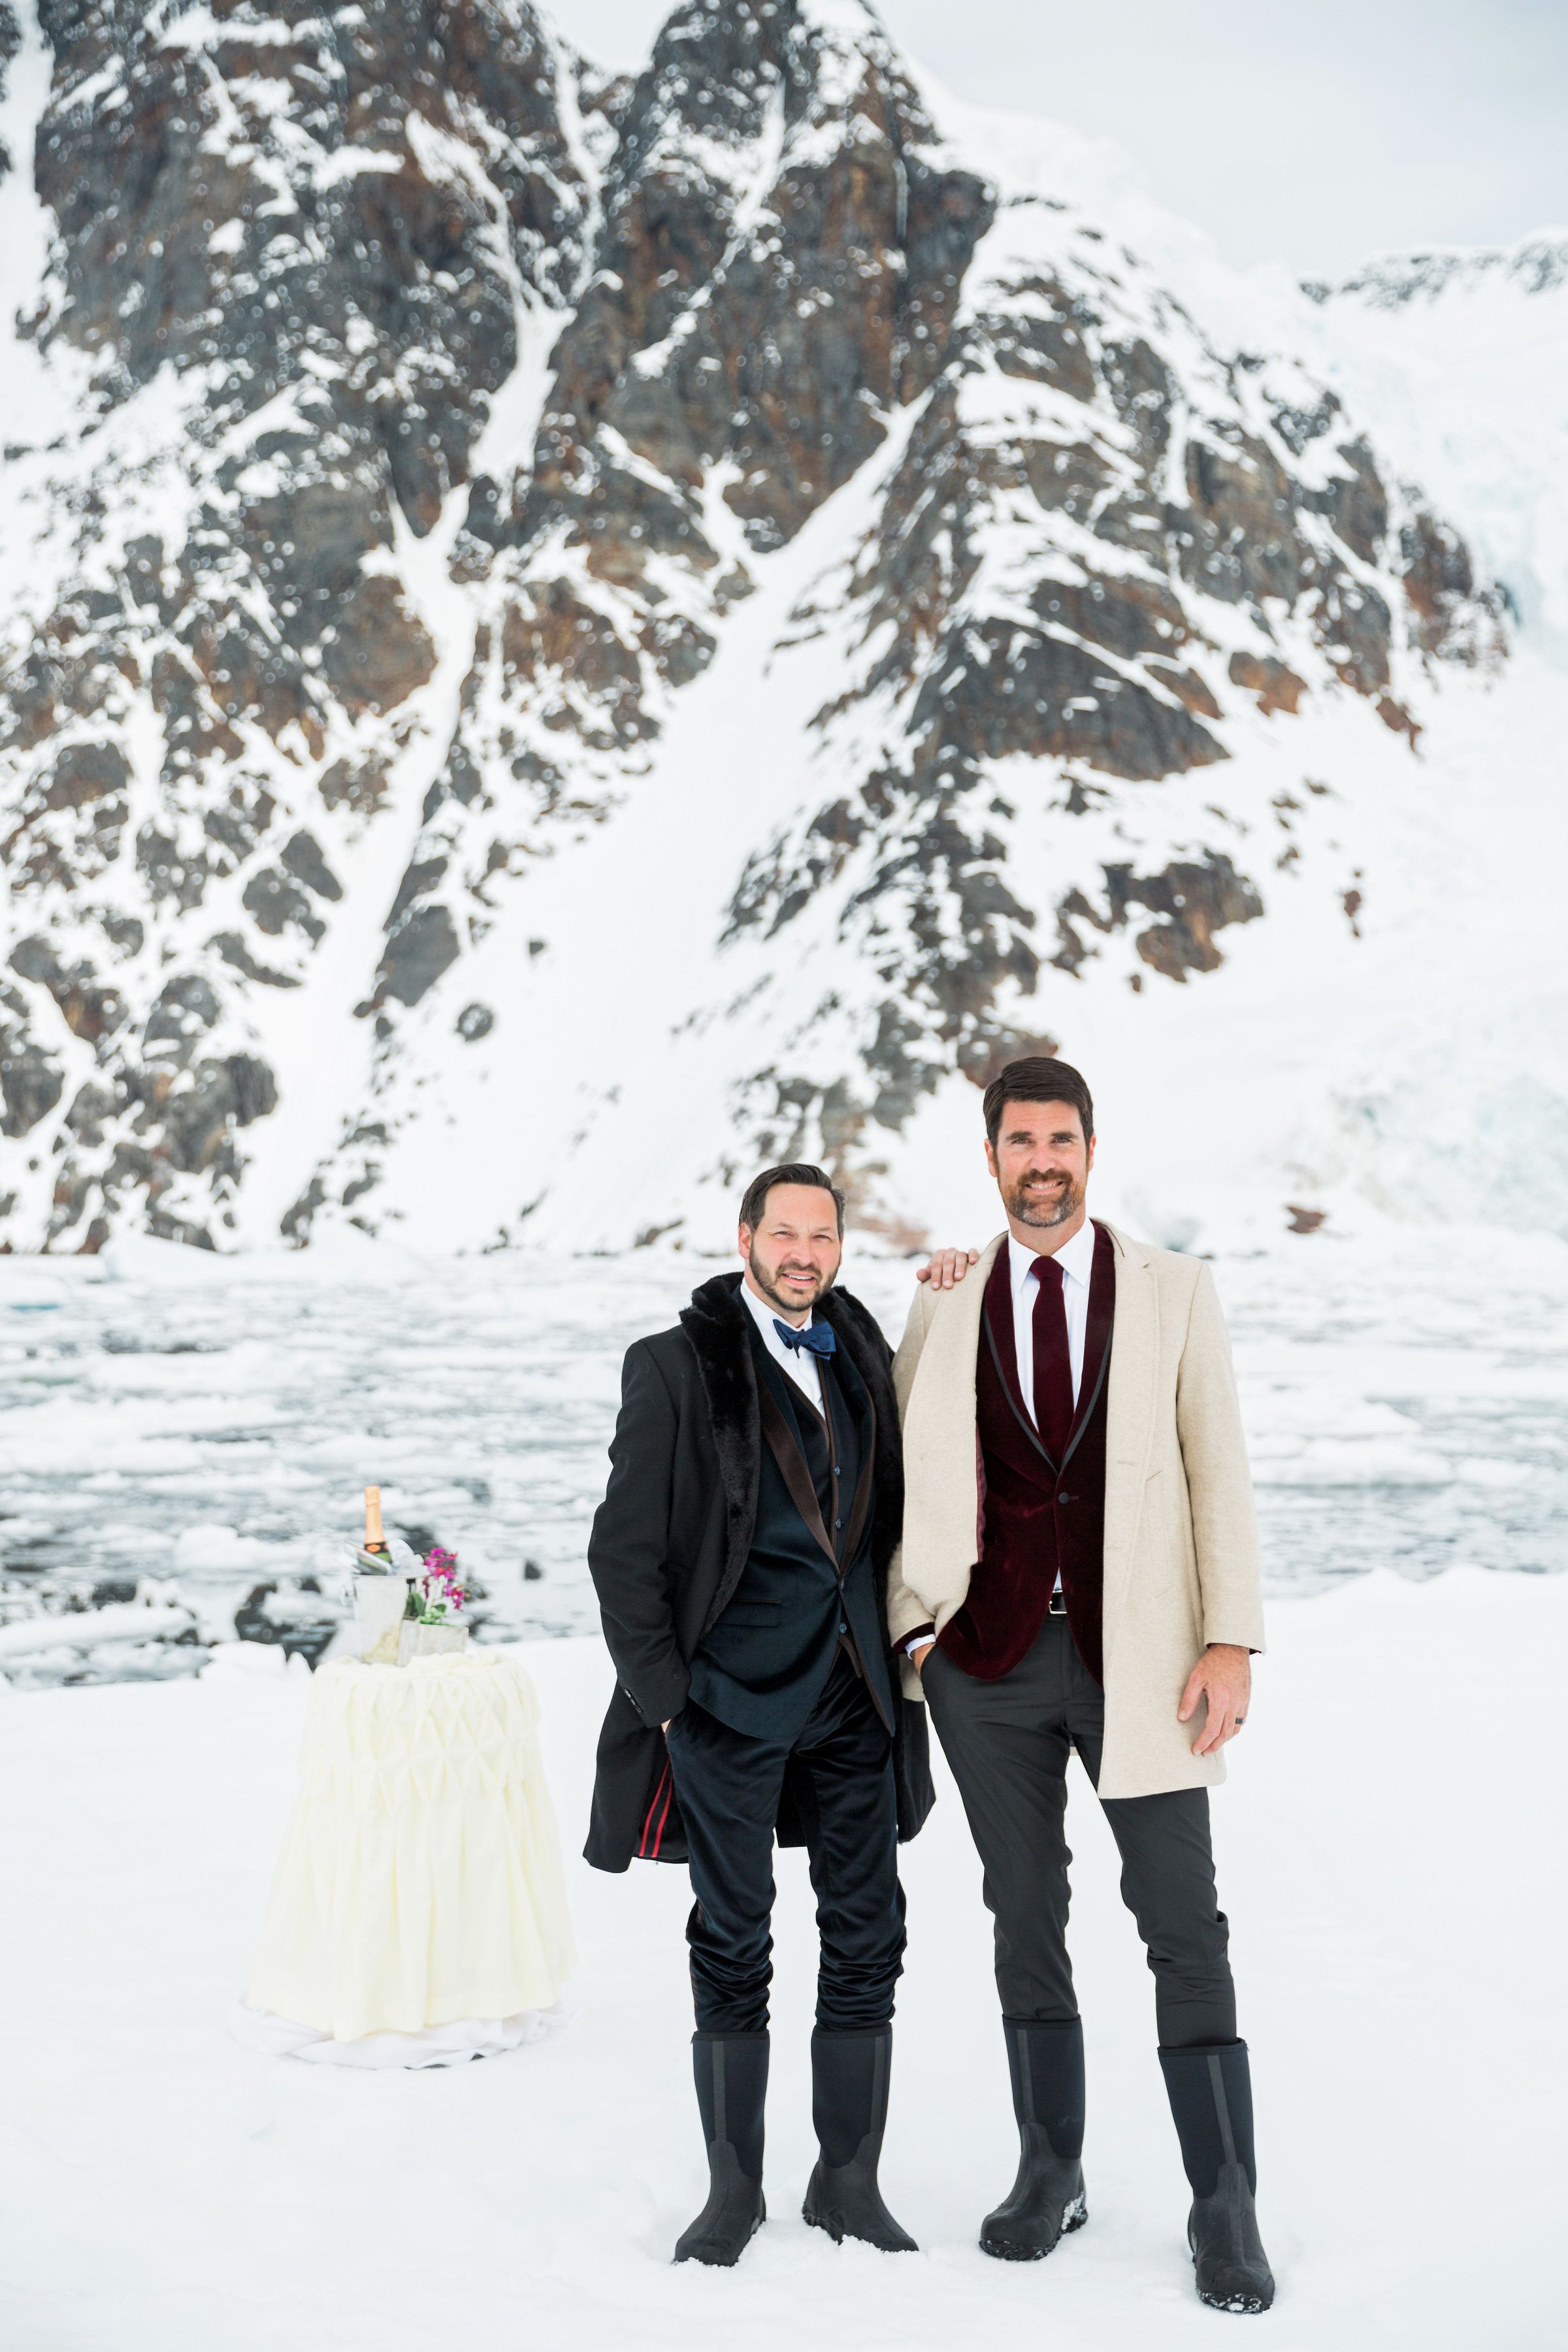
(1053, 1361)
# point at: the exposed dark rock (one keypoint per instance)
(89, 1011)
(168, 872)
(1003, 690)
(296, 1221)
(302, 856)
(91, 1106)
(1198, 899)
(231, 946)
(360, 786)
(984, 1058)
(125, 933)
(31, 1081)
(197, 1114)
(83, 772)
(186, 1008)
(10, 42)
(277, 902)
(421, 947)
(1274, 683)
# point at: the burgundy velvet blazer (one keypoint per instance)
(1036, 1516)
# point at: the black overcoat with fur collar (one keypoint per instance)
(670, 1540)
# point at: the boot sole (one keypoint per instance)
(1074, 2215)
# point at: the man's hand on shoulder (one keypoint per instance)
(946, 1267)
(1223, 1677)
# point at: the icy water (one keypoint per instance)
(208, 1424)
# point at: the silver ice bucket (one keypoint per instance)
(379, 1606)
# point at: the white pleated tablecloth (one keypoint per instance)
(418, 1915)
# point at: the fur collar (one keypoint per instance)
(715, 1324)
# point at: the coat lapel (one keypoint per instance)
(862, 1342)
(1130, 1400)
(719, 1328)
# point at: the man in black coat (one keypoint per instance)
(740, 1557)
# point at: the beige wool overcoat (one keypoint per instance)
(1180, 1535)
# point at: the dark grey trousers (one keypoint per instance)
(1009, 1743)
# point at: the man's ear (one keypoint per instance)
(990, 1157)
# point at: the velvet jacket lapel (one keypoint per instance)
(998, 1335)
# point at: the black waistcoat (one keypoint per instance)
(761, 1665)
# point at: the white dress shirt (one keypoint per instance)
(1075, 1259)
(799, 1362)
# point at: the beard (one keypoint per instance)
(1055, 1202)
(766, 1278)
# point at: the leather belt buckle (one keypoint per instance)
(1058, 1607)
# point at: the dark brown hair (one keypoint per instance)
(1035, 1079)
(754, 1202)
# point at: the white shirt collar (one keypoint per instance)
(1075, 1257)
(763, 1314)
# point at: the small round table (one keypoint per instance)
(418, 1913)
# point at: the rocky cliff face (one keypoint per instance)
(413, 419)
(294, 260)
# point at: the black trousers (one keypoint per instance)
(1009, 1743)
(841, 1767)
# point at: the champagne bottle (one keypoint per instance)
(375, 1546)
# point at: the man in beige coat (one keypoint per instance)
(1079, 1570)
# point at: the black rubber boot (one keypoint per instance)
(732, 2071)
(1046, 2200)
(1211, 2098)
(849, 2109)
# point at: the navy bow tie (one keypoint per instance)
(817, 1336)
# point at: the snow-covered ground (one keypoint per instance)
(195, 1426)
(1388, 1847)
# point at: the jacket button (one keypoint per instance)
(839, 1523)
(1064, 1499)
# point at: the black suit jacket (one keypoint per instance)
(671, 1542)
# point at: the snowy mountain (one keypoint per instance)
(559, 637)
(1457, 357)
